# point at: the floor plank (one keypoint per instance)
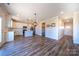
(40, 46)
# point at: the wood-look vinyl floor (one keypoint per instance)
(40, 46)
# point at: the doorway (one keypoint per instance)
(68, 27)
(43, 29)
(24, 29)
(68, 31)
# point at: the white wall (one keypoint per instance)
(60, 28)
(52, 32)
(68, 31)
(5, 16)
(60, 33)
(56, 32)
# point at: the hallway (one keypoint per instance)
(39, 46)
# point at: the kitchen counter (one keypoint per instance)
(10, 36)
(28, 33)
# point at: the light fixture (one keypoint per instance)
(61, 12)
(35, 19)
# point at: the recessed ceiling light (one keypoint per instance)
(61, 12)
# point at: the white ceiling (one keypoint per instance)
(43, 10)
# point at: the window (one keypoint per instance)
(0, 29)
